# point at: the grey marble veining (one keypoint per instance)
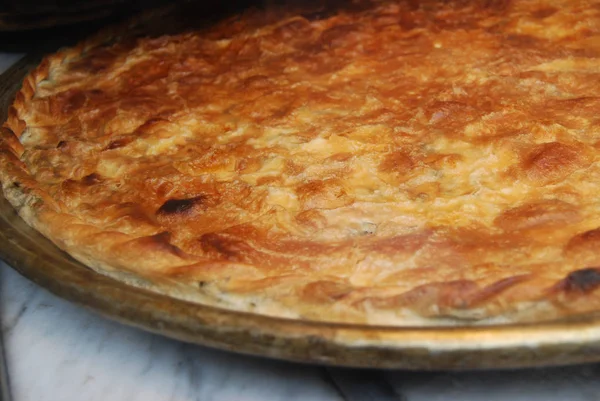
(59, 351)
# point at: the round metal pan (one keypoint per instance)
(474, 347)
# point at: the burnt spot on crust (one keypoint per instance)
(592, 235)
(496, 288)
(256, 82)
(538, 215)
(400, 244)
(324, 194)
(118, 143)
(397, 162)
(61, 144)
(95, 61)
(180, 206)
(584, 106)
(522, 41)
(453, 295)
(448, 296)
(67, 102)
(552, 162)
(580, 281)
(145, 73)
(269, 106)
(544, 12)
(584, 244)
(9, 142)
(225, 247)
(152, 122)
(324, 291)
(574, 113)
(91, 179)
(312, 219)
(161, 242)
(73, 101)
(81, 187)
(339, 35)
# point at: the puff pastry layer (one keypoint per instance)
(398, 163)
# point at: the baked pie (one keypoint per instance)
(388, 162)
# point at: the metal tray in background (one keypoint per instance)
(466, 347)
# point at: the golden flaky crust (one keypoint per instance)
(405, 162)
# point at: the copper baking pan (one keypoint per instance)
(546, 343)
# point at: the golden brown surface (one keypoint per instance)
(396, 163)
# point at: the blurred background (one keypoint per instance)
(31, 14)
(39, 25)
(43, 25)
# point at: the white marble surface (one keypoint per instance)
(58, 351)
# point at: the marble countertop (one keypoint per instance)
(60, 351)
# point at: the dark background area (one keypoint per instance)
(39, 26)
